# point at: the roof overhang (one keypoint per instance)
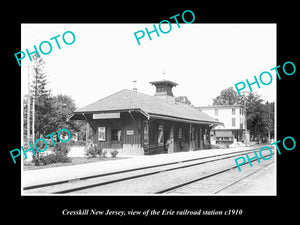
(228, 129)
(163, 82)
(81, 116)
(184, 120)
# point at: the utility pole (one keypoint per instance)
(28, 107)
(87, 132)
(33, 119)
(33, 107)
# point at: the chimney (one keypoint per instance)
(134, 86)
(164, 90)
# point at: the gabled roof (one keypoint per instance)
(150, 106)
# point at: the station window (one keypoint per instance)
(116, 134)
(101, 133)
(233, 111)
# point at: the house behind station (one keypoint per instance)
(233, 118)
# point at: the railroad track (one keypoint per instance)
(243, 178)
(89, 182)
(177, 188)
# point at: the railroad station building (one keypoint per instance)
(139, 124)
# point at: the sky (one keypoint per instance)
(203, 59)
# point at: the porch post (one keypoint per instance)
(201, 137)
(190, 138)
(87, 132)
(171, 145)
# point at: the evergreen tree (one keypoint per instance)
(25, 113)
(42, 97)
(50, 112)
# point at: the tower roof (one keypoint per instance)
(161, 82)
(164, 89)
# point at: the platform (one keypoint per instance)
(56, 174)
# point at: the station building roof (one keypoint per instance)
(149, 106)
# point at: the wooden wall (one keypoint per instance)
(131, 135)
(130, 124)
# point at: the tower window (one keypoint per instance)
(160, 89)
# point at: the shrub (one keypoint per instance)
(80, 143)
(49, 142)
(54, 158)
(114, 153)
(71, 142)
(62, 148)
(59, 155)
(110, 152)
(92, 150)
(36, 160)
(41, 145)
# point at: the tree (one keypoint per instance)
(82, 134)
(40, 105)
(183, 99)
(227, 96)
(62, 107)
(42, 97)
(268, 118)
(260, 116)
(42, 100)
(25, 113)
(254, 108)
(51, 112)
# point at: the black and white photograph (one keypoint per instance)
(159, 117)
(124, 114)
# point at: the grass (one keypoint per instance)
(74, 161)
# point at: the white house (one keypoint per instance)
(234, 119)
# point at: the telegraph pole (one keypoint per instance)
(28, 107)
(33, 106)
